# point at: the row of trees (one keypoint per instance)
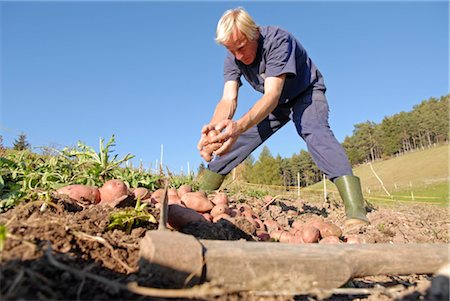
(425, 126)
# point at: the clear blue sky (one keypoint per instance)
(151, 73)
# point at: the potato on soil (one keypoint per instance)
(219, 209)
(276, 234)
(259, 224)
(296, 238)
(141, 193)
(207, 216)
(179, 216)
(272, 225)
(234, 212)
(310, 234)
(352, 239)
(244, 207)
(285, 237)
(327, 229)
(157, 196)
(222, 216)
(220, 198)
(174, 199)
(263, 235)
(198, 201)
(80, 193)
(330, 240)
(297, 224)
(281, 235)
(183, 189)
(113, 190)
(172, 191)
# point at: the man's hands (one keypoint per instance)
(218, 139)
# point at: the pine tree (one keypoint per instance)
(267, 170)
(21, 143)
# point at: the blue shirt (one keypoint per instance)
(278, 53)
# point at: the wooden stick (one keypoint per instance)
(240, 265)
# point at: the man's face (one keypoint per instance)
(242, 48)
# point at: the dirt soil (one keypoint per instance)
(65, 252)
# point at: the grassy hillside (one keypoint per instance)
(421, 176)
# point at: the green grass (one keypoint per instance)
(421, 176)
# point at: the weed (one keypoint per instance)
(3, 236)
(128, 219)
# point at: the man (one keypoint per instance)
(275, 64)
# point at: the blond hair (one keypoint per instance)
(236, 18)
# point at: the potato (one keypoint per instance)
(272, 225)
(234, 212)
(219, 209)
(296, 238)
(330, 240)
(220, 198)
(252, 220)
(263, 235)
(285, 236)
(276, 234)
(310, 234)
(294, 231)
(249, 214)
(222, 216)
(259, 224)
(297, 224)
(174, 199)
(157, 196)
(281, 235)
(179, 216)
(244, 207)
(197, 201)
(327, 229)
(352, 239)
(141, 193)
(212, 147)
(207, 151)
(113, 190)
(207, 217)
(183, 189)
(172, 192)
(80, 193)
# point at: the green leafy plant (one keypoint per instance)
(128, 219)
(3, 236)
(96, 167)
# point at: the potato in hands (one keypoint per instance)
(207, 151)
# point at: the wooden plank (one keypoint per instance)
(240, 265)
(267, 266)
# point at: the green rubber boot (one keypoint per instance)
(350, 190)
(211, 180)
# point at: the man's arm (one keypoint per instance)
(273, 86)
(225, 109)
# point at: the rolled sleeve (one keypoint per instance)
(281, 57)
